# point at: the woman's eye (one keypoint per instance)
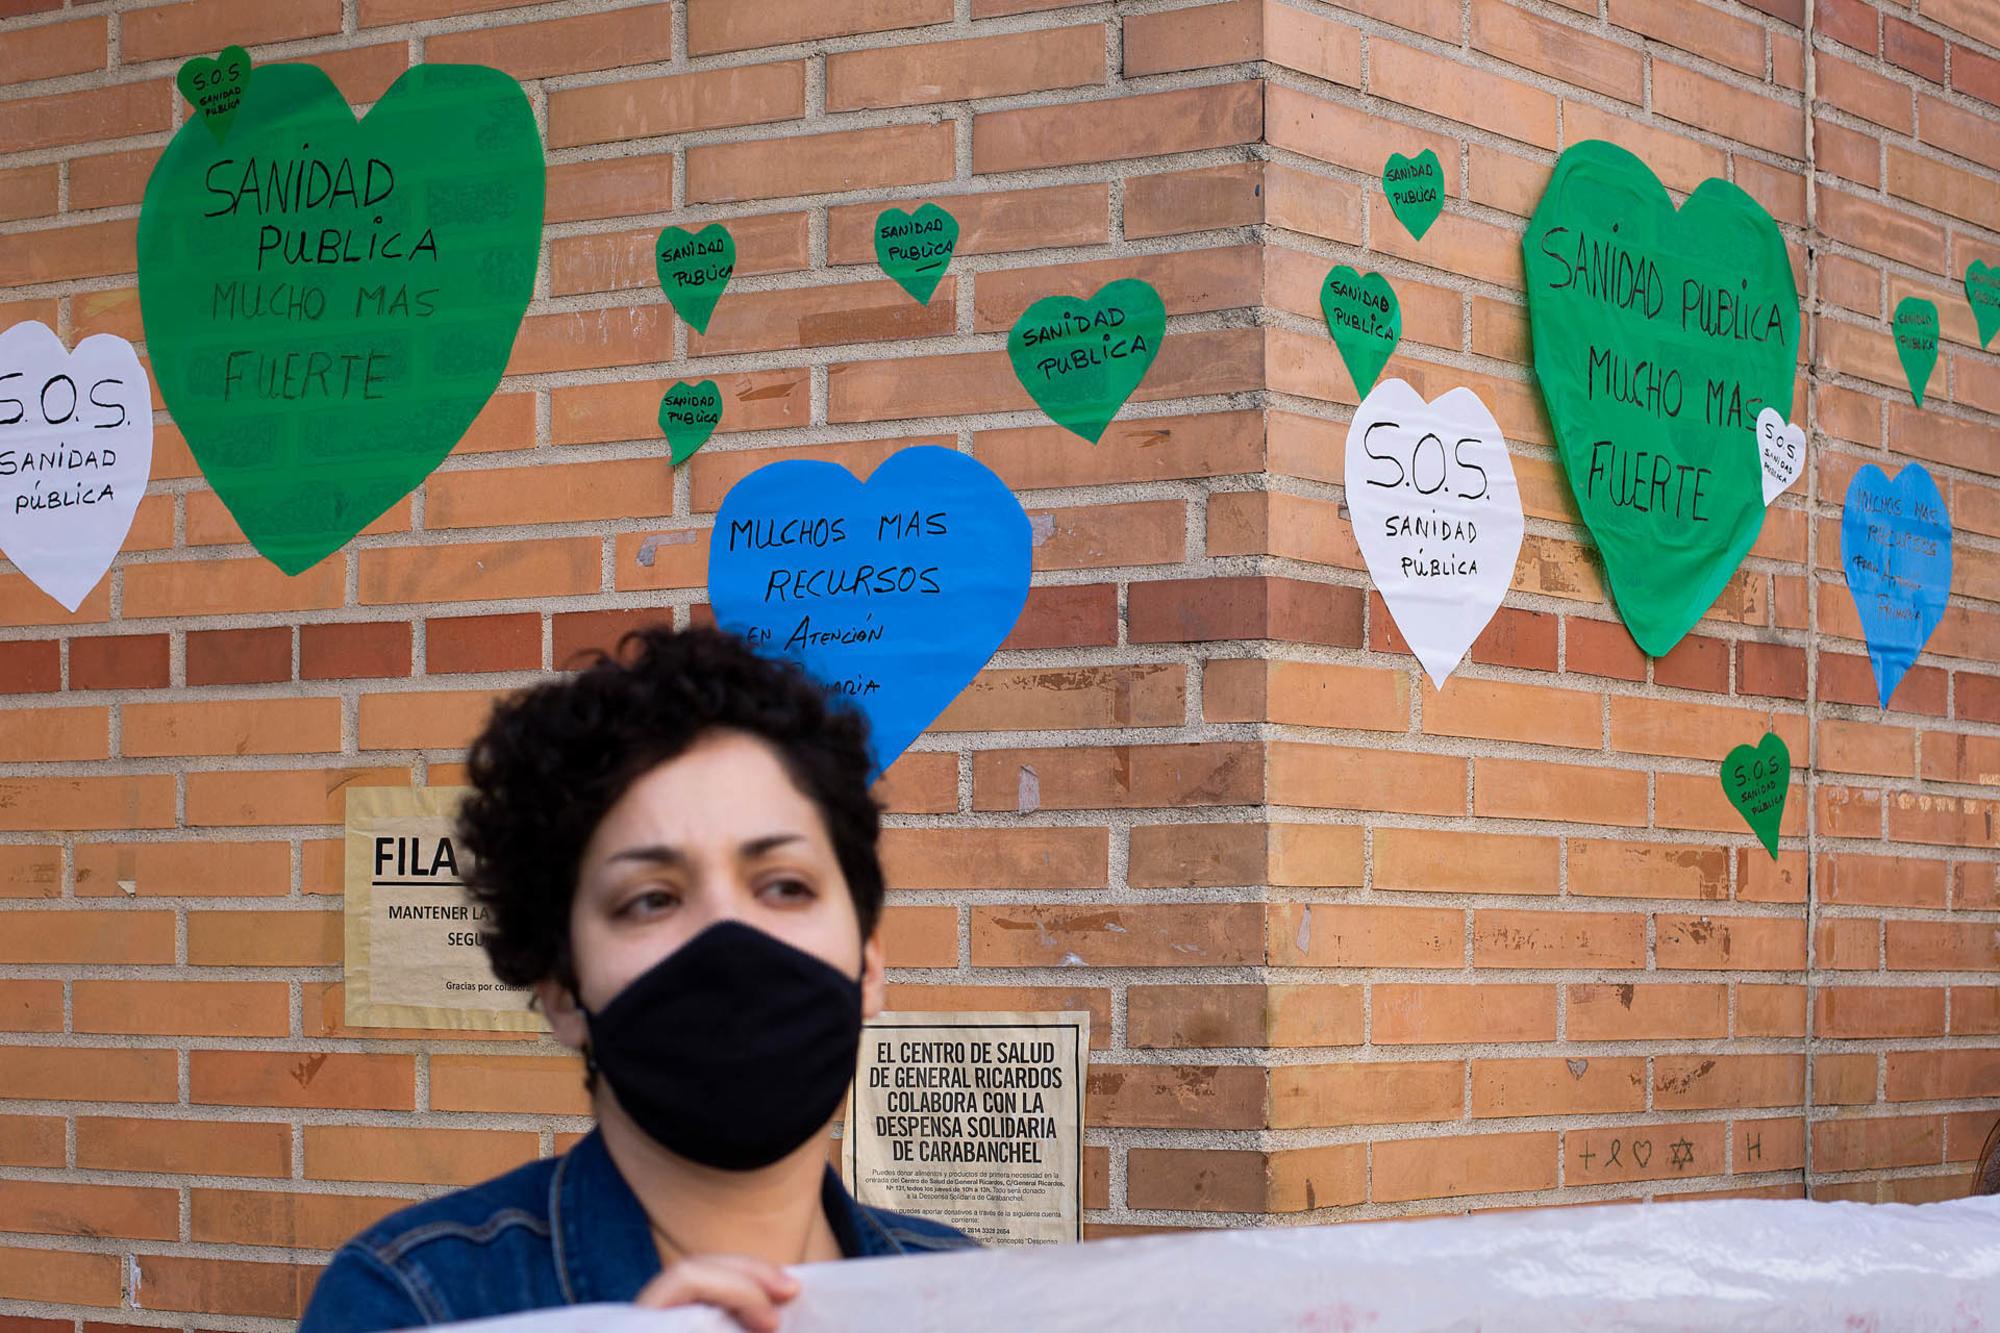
(647, 903)
(788, 890)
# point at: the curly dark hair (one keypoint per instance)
(556, 757)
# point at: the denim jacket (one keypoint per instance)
(561, 1231)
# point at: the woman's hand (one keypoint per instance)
(750, 1291)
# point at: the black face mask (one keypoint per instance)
(733, 1050)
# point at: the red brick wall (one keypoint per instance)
(1355, 948)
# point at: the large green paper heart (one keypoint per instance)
(1415, 186)
(1659, 336)
(694, 267)
(328, 304)
(1756, 779)
(915, 248)
(1982, 293)
(1080, 360)
(216, 87)
(1916, 329)
(689, 414)
(1365, 319)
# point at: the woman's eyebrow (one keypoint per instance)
(652, 854)
(662, 854)
(757, 847)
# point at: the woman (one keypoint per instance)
(678, 851)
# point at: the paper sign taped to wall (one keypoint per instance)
(974, 1120)
(1659, 335)
(329, 303)
(76, 449)
(893, 593)
(1437, 514)
(414, 957)
(1895, 544)
(1081, 361)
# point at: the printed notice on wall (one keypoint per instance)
(414, 957)
(975, 1120)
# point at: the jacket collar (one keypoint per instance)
(604, 1242)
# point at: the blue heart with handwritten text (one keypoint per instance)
(894, 593)
(1895, 544)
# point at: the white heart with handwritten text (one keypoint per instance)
(76, 448)
(1437, 513)
(1781, 448)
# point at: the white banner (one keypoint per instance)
(1722, 1267)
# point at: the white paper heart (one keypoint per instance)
(1437, 513)
(1781, 448)
(76, 449)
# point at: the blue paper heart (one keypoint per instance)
(895, 593)
(1895, 543)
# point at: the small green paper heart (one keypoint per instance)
(689, 414)
(1080, 360)
(916, 248)
(1982, 293)
(1415, 186)
(1916, 342)
(216, 87)
(1756, 779)
(1365, 319)
(694, 267)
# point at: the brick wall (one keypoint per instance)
(1355, 948)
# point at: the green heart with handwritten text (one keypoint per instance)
(216, 87)
(1365, 319)
(1756, 779)
(914, 249)
(1982, 293)
(1659, 334)
(1415, 186)
(1080, 360)
(1916, 330)
(689, 414)
(694, 268)
(328, 302)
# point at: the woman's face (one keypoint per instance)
(717, 834)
